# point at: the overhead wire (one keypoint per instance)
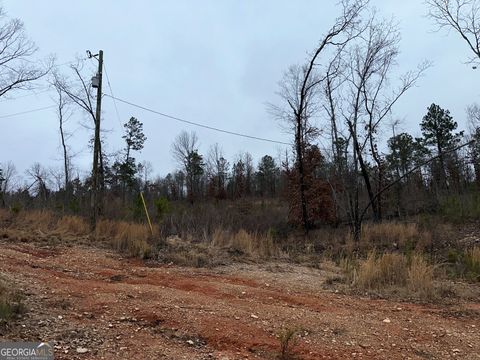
(196, 123)
(115, 99)
(113, 95)
(28, 111)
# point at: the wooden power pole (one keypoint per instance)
(96, 199)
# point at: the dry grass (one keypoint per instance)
(472, 262)
(378, 272)
(129, 238)
(390, 233)
(420, 277)
(394, 271)
(244, 243)
(4, 215)
(37, 220)
(73, 225)
(10, 301)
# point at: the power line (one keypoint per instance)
(34, 93)
(195, 123)
(28, 111)
(113, 95)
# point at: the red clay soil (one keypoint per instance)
(93, 304)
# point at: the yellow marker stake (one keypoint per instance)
(146, 212)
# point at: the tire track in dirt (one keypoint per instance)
(198, 314)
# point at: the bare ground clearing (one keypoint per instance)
(117, 308)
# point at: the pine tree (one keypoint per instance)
(438, 129)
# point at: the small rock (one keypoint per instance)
(254, 316)
(387, 321)
(190, 342)
(81, 350)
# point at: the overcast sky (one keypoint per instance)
(215, 62)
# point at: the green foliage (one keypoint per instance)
(2, 179)
(125, 171)
(138, 211)
(194, 166)
(134, 136)
(465, 263)
(16, 208)
(287, 341)
(266, 175)
(74, 206)
(438, 129)
(458, 209)
(162, 205)
(405, 152)
(11, 301)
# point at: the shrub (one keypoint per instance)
(10, 301)
(465, 263)
(458, 209)
(287, 342)
(472, 263)
(162, 206)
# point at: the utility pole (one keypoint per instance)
(96, 196)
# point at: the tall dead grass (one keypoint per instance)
(378, 272)
(11, 301)
(73, 225)
(401, 234)
(472, 262)
(420, 277)
(387, 271)
(242, 242)
(39, 220)
(129, 238)
(4, 215)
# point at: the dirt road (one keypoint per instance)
(95, 305)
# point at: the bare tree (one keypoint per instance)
(185, 152)
(146, 169)
(17, 71)
(473, 113)
(39, 175)
(81, 94)
(184, 144)
(359, 96)
(63, 115)
(301, 86)
(462, 16)
(8, 174)
(217, 171)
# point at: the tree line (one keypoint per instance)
(343, 94)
